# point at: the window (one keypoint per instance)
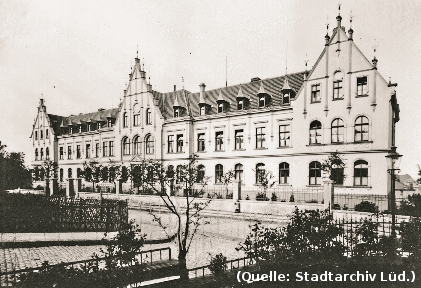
(69, 173)
(61, 174)
(148, 116)
(97, 150)
(284, 135)
(200, 174)
(262, 101)
(337, 90)
(362, 86)
(240, 105)
(149, 142)
(111, 144)
(315, 132)
(80, 128)
(71, 129)
(220, 107)
(260, 137)
(69, 152)
(61, 153)
(41, 153)
(46, 134)
(286, 99)
(361, 173)
(88, 126)
(176, 112)
(170, 143)
(315, 173)
(136, 120)
(125, 120)
(47, 153)
(109, 122)
(78, 173)
(238, 170)
(40, 134)
(283, 173)
(104, 149)
(361, 129)
(36, 135)
(88, 151)
(315, 93)
(78, 152)
(260, 173)
(239, 139)
(219, 172)
(202, 110)
(36, 153)
(99, 126)
(337, 131)
(136, 145)
(180, 143)
(219, 141)
(126, 146)
(201, 142)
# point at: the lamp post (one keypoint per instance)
(393, 160)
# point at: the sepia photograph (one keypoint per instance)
(231, 143)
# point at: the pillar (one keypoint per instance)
(69, 187)
(328, 194)
(118, 187)
(53, 186)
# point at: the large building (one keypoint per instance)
(288, 125)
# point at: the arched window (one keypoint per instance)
(125, 120)
(260, 173)
(337, 131)
(361, 129)
(238, 169)
(315, 132)
(149, 144)
(176, 112)
(78, 173)
(283, 173)
(41, 174)
(126, 146)
(262, 101)
(200, 173)
(36, 153)
(41, 153)
(136, 119)
(240, 105)
(136, 145)
(148, 116)
(315, 173)
(69, 173)
(219, 172)
(47, 153)
(220, 107)
(202, 110)
(361, 173)
(61, 174)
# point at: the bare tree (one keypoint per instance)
(188, 215)
(227, 179)
(50, 171)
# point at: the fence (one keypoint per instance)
(149, 257)
(202, 271)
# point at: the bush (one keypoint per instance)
(291, 198)
(366, 206)
(261, 196)
(247, 198)
(412, 206)
(39, 187)
(274, 197)
(218, 264)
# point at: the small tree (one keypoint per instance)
(334, 166)
(50, 171)
(188, 221)
(227, 179)
(266, 180)
(92, 172)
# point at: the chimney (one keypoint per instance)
(202, 91)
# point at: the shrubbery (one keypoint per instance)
(412, 206)
(366, 206)
(218, 264)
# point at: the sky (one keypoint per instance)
(77, 54)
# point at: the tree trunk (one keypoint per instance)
(182, 266)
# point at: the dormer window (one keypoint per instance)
(88, 126)
(80, 128)
(177, 112)
(202, 111)
(220, 107)
(262, 101)
(99, 125)
(240, 105)
(70, 130)
(109, 122)
(286, 99)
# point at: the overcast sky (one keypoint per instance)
(78, 54)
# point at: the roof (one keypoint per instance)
(190, 101)
(55, 122)
(403, 182)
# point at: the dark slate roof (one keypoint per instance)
(55, 122)
(84, 118)
(190, 101)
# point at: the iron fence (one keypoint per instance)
(202, 271)
(148, 257)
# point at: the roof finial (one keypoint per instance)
(350, 19)
(306, 61)
(182, 81)
(339, 8)
(286, 60)
(137, 51)
(375, 47)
